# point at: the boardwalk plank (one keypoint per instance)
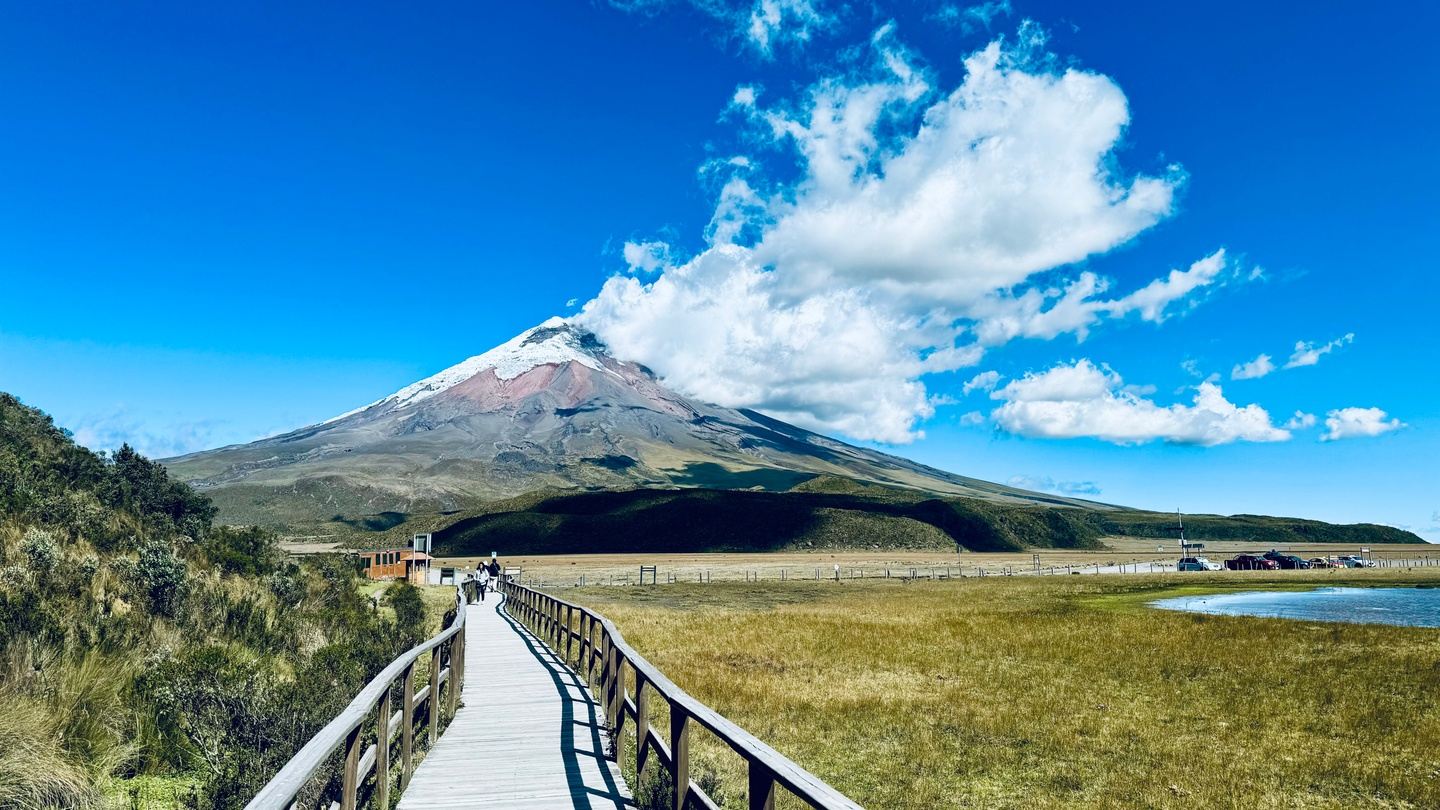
(529, 735)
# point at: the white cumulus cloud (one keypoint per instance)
(910, 244)
(1349, 423)
(646, 257)
(1081, 399)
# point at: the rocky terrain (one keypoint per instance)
(549, 409)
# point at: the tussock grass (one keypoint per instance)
(1052, 692)
(36, 770)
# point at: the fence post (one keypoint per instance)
(434, 699)
(407, 729)
(352, 766)
(680, 753)
(642, 726)
(612, 670)
(762, 787)
(382, 750)
(452, 696)
(587, 659)
(457, 674)
(569, 635)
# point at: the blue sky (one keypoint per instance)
(219, 222)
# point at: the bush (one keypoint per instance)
(41, 550)
(163, 577)
(288, 584)
(409, 607)
(250, 551)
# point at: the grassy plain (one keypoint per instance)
(1051, 691)
(565, 570)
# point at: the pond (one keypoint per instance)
(1416, 607)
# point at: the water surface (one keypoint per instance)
(1416, 607)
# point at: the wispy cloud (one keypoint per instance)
(1300, 421)
(971, 18)
(1253, 370)
(1044, 483)
(761, 25)
(1305, 354)
(158, 435)
(984, 381)
(1308, 354)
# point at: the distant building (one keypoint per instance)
(397, 563)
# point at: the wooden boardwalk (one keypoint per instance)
(529, 734)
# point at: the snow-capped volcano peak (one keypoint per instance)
(554, 342)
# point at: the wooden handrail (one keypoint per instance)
(347, 729)
(554, 622)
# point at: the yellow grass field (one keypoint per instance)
(1051, 691)
(565, 571)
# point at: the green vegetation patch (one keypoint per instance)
(149, 658)
(819, 513)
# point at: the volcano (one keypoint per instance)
(549, 409)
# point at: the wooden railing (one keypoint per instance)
(447, 679)
(587, 641)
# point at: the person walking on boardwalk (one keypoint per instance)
(494, 568)
(483, 577)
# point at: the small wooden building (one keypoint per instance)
(397, 563)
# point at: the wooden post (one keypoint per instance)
(434, 699)
(453, 696)
(460, 679)
(352, 766)
(680, 752)
(407, 729)
(642, 725)
(584, 661)
(607, 680)
(382, 750)
(569, 634)
(619, 711)
(762, 787)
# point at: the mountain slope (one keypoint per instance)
(549, 408)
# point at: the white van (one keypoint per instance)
(1197, 564)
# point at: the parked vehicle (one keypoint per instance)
(1356, 561)
(1287, 561)
(1325, 562)
(1250, 562)
(1197, 564)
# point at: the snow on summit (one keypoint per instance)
(553, 342)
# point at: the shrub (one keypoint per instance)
(163, 577)
(89, 566)
(409, 607)
(288, 585)
(249, 550)
(40, 550)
